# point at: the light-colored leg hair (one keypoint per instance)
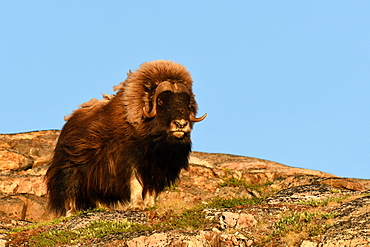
(136, 197)
(70, 208)
(149, 199)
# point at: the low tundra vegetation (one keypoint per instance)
(241, 182)
(290, 228)
(294, 227)
(219, 203)
(302, 222)
(263, 189)
(323, 202)
(189, 219)
(96, 229)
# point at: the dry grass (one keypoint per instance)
(175, 206)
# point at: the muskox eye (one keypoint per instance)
(160, 102)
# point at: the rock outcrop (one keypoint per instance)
(221, 200)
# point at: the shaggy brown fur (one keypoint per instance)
(110, 152)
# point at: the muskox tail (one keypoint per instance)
(57, 184)
(65, 190)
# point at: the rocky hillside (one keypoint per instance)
(222, 200)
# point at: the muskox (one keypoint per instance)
(127, 148)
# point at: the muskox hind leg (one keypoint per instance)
(70, 209)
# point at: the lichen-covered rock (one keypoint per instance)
(26, 150)
(23, 207)
(352, 227)
(13, 160)
(10, 184)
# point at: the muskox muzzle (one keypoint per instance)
(179, 128)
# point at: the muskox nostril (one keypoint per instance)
(178, 124)
(181, 123)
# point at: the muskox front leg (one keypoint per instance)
(136, 194)
(149, 198)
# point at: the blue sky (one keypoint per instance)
(286, 81)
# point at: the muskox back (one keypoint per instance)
(126, 148)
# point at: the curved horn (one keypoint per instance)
(194, 119)
(152, 113)
(163, 86)
(147, 107)
(180, 88)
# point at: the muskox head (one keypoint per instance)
(158, 100)
(171, 106)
